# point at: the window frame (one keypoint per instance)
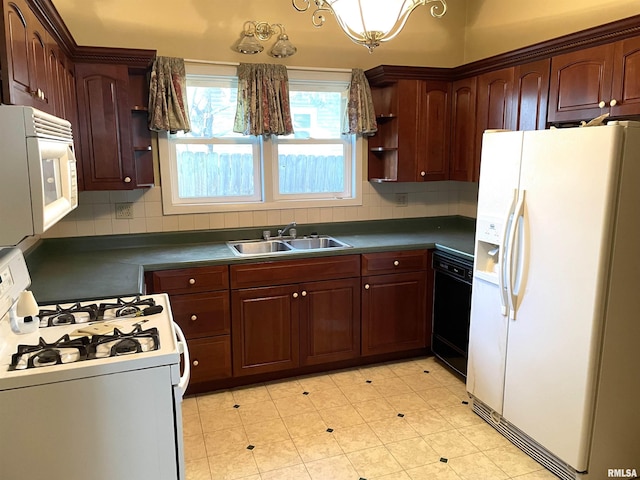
(266, 165)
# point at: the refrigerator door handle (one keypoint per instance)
(502, 256)
(517, 216)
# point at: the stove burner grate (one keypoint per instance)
(76, 313)
(64, 350)
(126, 307)
(122, 343)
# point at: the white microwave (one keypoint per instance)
(38, 180)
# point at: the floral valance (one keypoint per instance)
(263, 100)
(168, 109)
(360, 114)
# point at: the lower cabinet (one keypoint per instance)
(200, 305)
(394, 305)
(310, 322)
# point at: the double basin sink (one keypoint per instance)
(272, 246)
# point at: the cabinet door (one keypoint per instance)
(393, 313)
(463, 130)
(625, 89)
(16, 68)
(57, 77)
(103, 121)
(264, 322)
(433, 131)
(531, 96)
(329, 321)
(495, 92)
(579, 82)
(41, 84)
(210, 359)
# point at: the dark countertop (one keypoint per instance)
(86, 268)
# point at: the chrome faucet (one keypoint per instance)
(289, 227)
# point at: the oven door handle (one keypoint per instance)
(184, 351)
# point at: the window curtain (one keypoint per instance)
(360, 114)
(263, 100)
(168, 109)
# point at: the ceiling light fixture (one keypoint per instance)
(368, 22)
(254, 31)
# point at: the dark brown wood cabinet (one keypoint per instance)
(25, 73)
(394, 302)
(279, 325)
(413, 131)
(265, 327)
(463, 130)
(581, 84)
(329, 313)
(115, 143)
(625, 89)
(494, 109)
(200, 304)
(530, 95)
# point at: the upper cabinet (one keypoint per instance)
(115, 142)
(412, 142)
(463, 129)
(594, 81)
(530, 96)
(25, 73)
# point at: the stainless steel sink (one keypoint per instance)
(249, 248)
(258, 247)
(314, 243)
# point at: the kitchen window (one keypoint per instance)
(213, 168)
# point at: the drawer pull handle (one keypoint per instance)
(396, 263)
(192, 281)
(366, 286)
(196, 363)
(304, 293)
(295, 295)
(194, 318)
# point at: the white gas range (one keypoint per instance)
(88, 393)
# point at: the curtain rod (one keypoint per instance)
(235, 64)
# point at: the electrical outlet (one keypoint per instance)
(124, 210)
(402, 199)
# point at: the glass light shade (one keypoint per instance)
(369, 22)
(283, 47)
(249, 44)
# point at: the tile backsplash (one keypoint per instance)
(95, 214)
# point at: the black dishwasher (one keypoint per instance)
(451, 309)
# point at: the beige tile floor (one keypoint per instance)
(389, 421)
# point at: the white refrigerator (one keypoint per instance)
(554, 343)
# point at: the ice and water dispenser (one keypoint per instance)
(488, 234)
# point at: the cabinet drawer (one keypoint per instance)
(210, 358)
(394, 262)
(294, 271)
(202, 314)
(191, 280)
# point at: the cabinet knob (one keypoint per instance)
(396, 263)
(366, 286)
(195, 363)
(613, 103)
(304, 293)
(423, 174)
(194, 318)
(192, 281)
(127, 179)
(295, 295)
(602, 104)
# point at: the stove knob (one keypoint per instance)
(196, 363)
(192, 281)
(194, 318)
